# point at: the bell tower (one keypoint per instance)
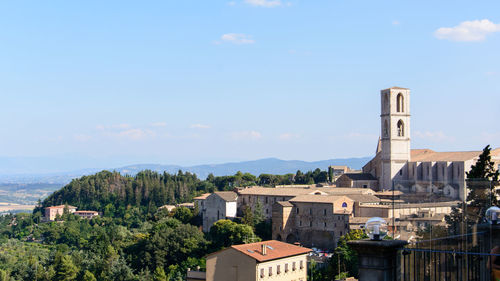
(395, 125)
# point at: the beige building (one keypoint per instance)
(268, 196)
(312, 220)
(52, 212)
(417, 170)
(268, 260)
(86, 214)
(359, 180)
(218, 206)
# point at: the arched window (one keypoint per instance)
(386, 103)
(386, 129)
(400, 103)
(401, 128)
(344, 205)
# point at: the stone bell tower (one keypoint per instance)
(395, 135)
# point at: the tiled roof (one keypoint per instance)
(363, 198)
(360, 176)
(285, 203)
(85, 212)
(228, 196)
(292, 192)
(202, 197)
(61, 207)
(318, 198)
(389, 192)
(428, 155)
(276, 250)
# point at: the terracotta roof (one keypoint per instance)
(275, 250)
(428, 155)
(318, 198)
(360, 176)
(84, 212)
(228, 196)
(202, 197)
(61, 207)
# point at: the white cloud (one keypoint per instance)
(437, 136)
(246, 135)
(264, 3)
(468, 31)
(288, 136)
(237, 38)
(159, 124)
(200, 126)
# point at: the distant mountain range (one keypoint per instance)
(256, 167)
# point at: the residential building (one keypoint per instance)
(268, 196)
(312, 220)
(86, 214)
(359, 180)
(199, 201)
(53, 211)
(268, 260)
(217, 206)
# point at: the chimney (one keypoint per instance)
(264, 249)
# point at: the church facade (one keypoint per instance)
(416, 170)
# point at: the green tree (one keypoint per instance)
(65, 269)
(345, 256)
(183, 214)
(159, 274)
(4, 275)
(88, 276)
(225, 233)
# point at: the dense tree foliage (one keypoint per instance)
(133, 238)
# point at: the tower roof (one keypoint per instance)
(395, 88)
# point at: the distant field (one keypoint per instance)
(7, 207)
(25, 194)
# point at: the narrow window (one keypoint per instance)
(266, 200)
(325, 224)
(294, 267)
(297, 210)
(310, 223)
(401, 128)
(278, 269)
(324, 212)
(270, 271)
(267, 211)
(310, 211)
(400, 103)
(286, 267)
(386, 129)
(261, 273)
(300, 223)
(301, 264)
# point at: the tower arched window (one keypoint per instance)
(401, 128)
(386, 103)
(400, 103)
(386, 129)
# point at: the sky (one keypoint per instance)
(91, 84)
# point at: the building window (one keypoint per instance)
(335, 225)
(301, 264)
(286, 267)
(324, 212)
(267, 211)
(270, 271)
(344, 205)
(278, 269)
(294, 267)
(261, 273)
(401, 172)
(386, 129)
(297, 210)
(310, 223)
(401, 128)
(400, 103)
(325, 224)
(310, 211)
(300, 223)
(341, 233)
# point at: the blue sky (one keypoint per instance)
(108, 83)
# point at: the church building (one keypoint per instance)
(416, 170)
